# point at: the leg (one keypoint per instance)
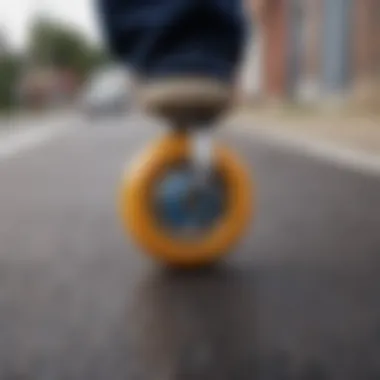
(185, 52)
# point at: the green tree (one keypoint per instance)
(9, 73)
(57, 45)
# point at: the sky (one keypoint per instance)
(16, 17)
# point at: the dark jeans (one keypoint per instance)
(175, 37)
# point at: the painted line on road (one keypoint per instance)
(19, 141)
(344, 157)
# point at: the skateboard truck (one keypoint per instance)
(202, 154)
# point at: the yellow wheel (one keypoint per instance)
(138, 208)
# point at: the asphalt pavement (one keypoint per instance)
(299, 298)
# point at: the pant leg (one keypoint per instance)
(176, 37)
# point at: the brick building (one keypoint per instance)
(317, 49)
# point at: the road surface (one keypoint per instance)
(299, 298)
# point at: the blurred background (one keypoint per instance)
(51, 57)
(315, 51)
(299, 51)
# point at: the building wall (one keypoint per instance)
(311, 69)
(296, 45)
(317, 49)
(366, 52)
(337, 42)
(274, 29)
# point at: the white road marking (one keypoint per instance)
(16, 142)
(344, 157)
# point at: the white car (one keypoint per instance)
(108, 91)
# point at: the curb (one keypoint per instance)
(355, 159)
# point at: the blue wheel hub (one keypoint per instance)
(182, 206)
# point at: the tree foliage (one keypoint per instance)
(51, 45)
(56, 45)
(9, 72)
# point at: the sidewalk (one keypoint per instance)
(25, 131)
(345, 130)
(22, 121)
